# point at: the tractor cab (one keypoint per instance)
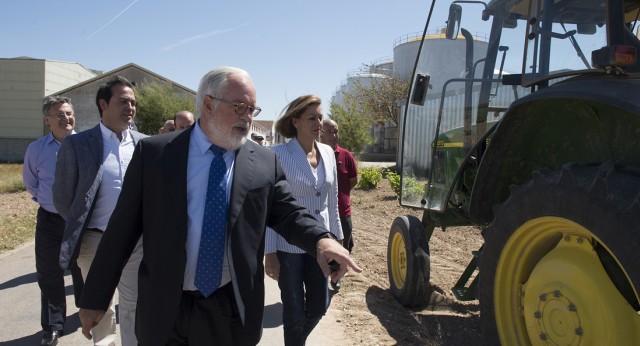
(474, 65)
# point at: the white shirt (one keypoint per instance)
(116, 156)
(198, 165)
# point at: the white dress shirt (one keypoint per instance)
(116, 156)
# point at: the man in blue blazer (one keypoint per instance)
(89, 172)
(163, 198)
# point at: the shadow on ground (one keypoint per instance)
(72, 325)
(19, 281)
(452, 325)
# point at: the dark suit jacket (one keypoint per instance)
(153, 202)
(77, 179)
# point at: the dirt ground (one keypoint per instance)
(12, 205)
(368, 312)
(366, 309)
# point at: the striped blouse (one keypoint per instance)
(317, 192)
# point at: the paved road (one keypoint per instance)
(20, 304)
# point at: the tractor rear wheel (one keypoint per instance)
(559, 264)
(408, 261)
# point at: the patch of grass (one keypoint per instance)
(11, 178)
(17, 229)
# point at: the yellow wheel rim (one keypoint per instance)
(398, 260)
(551, 289)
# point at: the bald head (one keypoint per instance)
(168, 126)
(330, 133)
(183, 119)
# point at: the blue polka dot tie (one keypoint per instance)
(211, 253)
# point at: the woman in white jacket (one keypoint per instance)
(310, 167)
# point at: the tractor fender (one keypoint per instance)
(581, 120)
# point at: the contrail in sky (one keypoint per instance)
(112, 19)
(200, 37)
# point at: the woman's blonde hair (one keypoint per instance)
(284, 124)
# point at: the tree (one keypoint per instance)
(158, 102)
(354, 127)
(380, 97)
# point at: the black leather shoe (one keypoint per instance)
(51, 338)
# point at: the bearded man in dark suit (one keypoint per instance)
(172, 307)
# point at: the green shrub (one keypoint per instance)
(369, 178)
(394, 182)
(412, 188)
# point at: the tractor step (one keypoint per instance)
(460, 290)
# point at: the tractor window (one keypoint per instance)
(561, 36)
(457, 95)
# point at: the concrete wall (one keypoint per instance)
(60, 75)
(21, 93)
(23, 85)
(13, 149)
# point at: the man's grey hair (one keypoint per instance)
(215, 82)
(54, 100)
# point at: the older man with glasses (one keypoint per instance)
(38, 174)
(202, 274)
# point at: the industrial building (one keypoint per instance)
(24, 82)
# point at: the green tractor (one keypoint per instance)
(538, 146)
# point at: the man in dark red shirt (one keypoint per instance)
(347, 180)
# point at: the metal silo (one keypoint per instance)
(444, 59)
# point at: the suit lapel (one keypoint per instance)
(243, 171)
(94, 141)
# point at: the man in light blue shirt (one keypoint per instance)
(38, 173)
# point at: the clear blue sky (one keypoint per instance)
(290, 47)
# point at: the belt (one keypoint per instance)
(195, 294)
(222, 289)
(97, 230)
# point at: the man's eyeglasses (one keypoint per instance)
(240, 107)
(62, 115)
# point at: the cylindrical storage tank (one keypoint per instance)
(363, 78)
(382, 66)
(443, 59)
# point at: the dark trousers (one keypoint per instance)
(347, 231)
(304, 294)
(214, 320)
(53, 310)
